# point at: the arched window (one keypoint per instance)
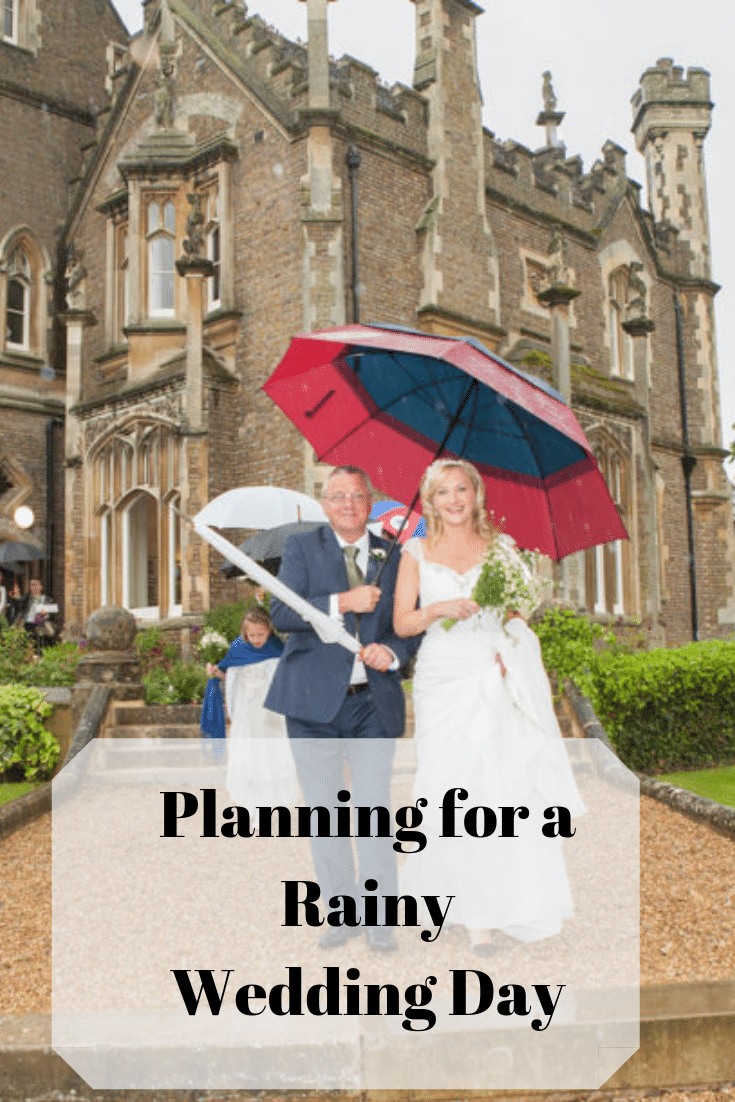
(19, 297)
(608, 563)
(161, 235)
(140, 555)
(136, 503)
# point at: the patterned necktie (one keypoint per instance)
(355, 577)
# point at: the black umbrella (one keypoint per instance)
(12, 551)
(266, 547)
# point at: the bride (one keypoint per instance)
(485, 723)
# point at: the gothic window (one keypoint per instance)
(621, 344)
(138, 522)
(19, 293)
(607, 564)
(161, 238)
(23, 298)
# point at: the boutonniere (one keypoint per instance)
(379, 554)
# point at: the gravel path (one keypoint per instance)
(687, 907)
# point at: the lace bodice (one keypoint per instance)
(438, 582)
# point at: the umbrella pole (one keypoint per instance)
(472, 389)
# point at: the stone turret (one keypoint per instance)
(458, 246)
(672, 114)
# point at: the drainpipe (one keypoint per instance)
(688, 463)
(352, 160)
(50, 503)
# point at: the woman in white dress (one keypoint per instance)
(484, 722)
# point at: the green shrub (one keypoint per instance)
(226, 619)
(568, 641)
(184, 683)
(24, 740)
(154, 651)
(16, 655)
(56, 666)
(667, 709)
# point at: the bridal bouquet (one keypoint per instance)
(506, 581)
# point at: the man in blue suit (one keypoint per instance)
(340, 709)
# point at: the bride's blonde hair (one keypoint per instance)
(480, 520)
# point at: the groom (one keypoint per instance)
(340, 709)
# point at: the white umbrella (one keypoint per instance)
(260, 507)
(328, 630)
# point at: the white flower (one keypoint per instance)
(379, 554)
(213, 637)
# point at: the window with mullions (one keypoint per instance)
(161, 235)
(18, 307)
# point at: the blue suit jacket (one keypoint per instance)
(312, 677)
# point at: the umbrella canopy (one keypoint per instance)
(266, 547)
(390, 515)
(259, 507)
(392, 399)
(13, 552)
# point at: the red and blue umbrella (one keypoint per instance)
(393, 521)
(392, 400)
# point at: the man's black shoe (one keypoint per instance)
(381, 939)
(335, 936)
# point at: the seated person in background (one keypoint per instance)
(258, 771)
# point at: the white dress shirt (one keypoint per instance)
(358, 676)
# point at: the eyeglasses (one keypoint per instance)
(342, 499)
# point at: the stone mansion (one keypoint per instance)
(177, 205)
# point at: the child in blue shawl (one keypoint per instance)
(256, 643)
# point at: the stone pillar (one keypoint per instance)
(321, 191)
(76, 318)
(459, 256)
(195, 269)
(556, 294)
(557, 298)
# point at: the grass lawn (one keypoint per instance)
(9, 791)
(716, 784)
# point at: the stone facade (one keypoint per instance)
(224, 145)
(55, 59)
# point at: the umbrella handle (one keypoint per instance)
(396, 538)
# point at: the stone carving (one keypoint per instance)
(635, 307)
(548, 93)
(76, 275)
(164, 96)
(193, 243)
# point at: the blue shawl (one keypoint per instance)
(241, 653)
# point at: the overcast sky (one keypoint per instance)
(596, 52)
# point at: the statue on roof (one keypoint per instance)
(547, 92)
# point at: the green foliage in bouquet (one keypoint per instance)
(506, 582)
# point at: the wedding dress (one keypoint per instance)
(496, 737)
(260, 765)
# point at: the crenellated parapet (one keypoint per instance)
(553, 182)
